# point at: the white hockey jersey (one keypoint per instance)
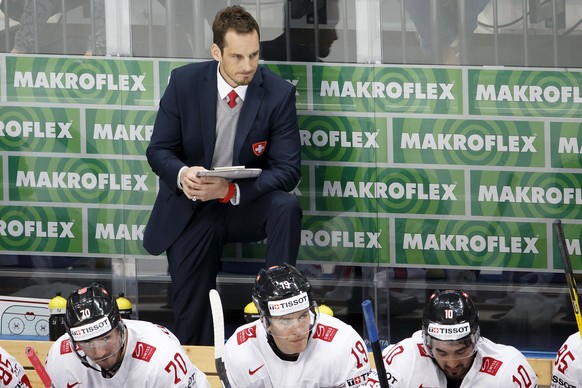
(12, 374)
(153, 358)
(408, 365)
(567, 370)
(335, 356)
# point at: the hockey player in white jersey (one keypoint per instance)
(102, 350)
(450, 353)
(567, 369)
(292, 345)
(12, 374)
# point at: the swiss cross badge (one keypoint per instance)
(259, 148)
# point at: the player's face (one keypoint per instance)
(239, 58)
(291, 331)
(454, 357)
(103, 350)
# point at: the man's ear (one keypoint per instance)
(215, 51)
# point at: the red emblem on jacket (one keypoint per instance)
(243, 335)
(259, 148)
(325, 333)
(143, 351)
(490, 366)
(66, 347)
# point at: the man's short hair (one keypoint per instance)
(234, 18)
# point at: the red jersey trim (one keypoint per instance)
(422, 350)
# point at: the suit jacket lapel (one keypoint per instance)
(249, 111)
(208, 91)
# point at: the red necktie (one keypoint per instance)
(232, 98)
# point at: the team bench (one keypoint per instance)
(203, 358)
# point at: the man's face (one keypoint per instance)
(291, 331)
(239, 58)
(103, 350)
(453, 357)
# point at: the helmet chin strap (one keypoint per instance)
(109, 373)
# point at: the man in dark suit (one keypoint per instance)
(201, 125)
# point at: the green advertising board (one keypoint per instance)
(413, 166)
(41, 229)
(455, 243)
(77, 81)
(526, 93)
(80, 180)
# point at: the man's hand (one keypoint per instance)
(204, 188)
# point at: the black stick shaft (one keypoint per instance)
(375, 342)
(569, 272)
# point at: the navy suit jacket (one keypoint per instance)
(185, 132)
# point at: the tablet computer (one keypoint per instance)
(232, 172)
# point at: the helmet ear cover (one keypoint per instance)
(90, 313)
(450, 315)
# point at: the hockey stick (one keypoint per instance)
(572, 289)
(218, 323)
(375, 342)
(34, 360)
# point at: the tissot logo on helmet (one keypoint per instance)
(449, 332)
(290, 305)
(91, 330)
